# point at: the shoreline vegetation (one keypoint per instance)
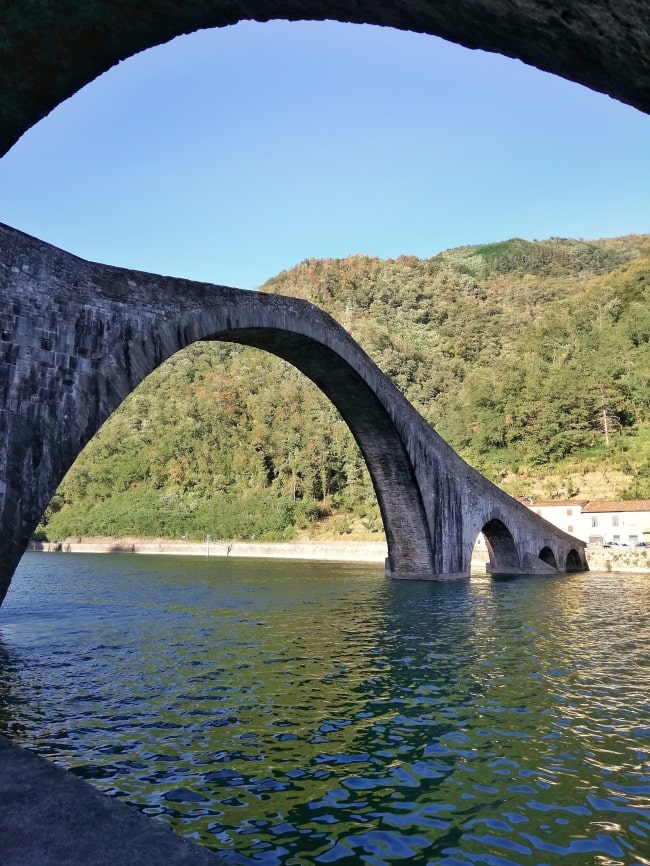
(331, 550)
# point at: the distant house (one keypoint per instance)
(617, 523)
(563, 513)
(598, 522)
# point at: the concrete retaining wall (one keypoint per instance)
(333, 551)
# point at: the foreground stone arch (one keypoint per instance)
(76, 338)
(49, 51)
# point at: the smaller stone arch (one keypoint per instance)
(573, 561)
(547, 556)
(502, 550)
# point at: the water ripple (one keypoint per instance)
(301, 713)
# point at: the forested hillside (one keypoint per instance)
(531, 358)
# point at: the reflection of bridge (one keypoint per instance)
(77, 338)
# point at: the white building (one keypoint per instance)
(624, 523)
(604, 522)
(563, 513)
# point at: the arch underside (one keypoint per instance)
(574, 561)
(398, 494)
(50, 51)
(501, 547)
(547, 556)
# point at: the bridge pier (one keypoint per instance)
(397, 574)
(76, 338)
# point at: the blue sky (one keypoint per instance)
(230, 155)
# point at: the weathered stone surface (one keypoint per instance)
(76, 338)
(49, 817)
(48, 50)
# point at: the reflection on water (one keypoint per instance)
(305, 712)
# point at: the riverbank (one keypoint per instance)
(327, 551)
(632, 560)
(635, 560)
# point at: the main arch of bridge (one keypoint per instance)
(76, 338)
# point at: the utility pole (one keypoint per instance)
(605, 420)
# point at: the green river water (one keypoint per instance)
(298, 713)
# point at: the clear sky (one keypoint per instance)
(230, 155)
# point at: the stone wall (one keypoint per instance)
(630, 559)
(325, 551)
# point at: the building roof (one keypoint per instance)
(630, 505)
(563, 503)
(590, 506)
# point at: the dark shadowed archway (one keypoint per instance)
(501, 547)
(573, 561)
(547, 556)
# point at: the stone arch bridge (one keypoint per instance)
(76, 338)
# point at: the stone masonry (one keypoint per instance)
(76, 338)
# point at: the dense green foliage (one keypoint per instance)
(525, 356)
(222, 440)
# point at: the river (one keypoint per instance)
(303, 712)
